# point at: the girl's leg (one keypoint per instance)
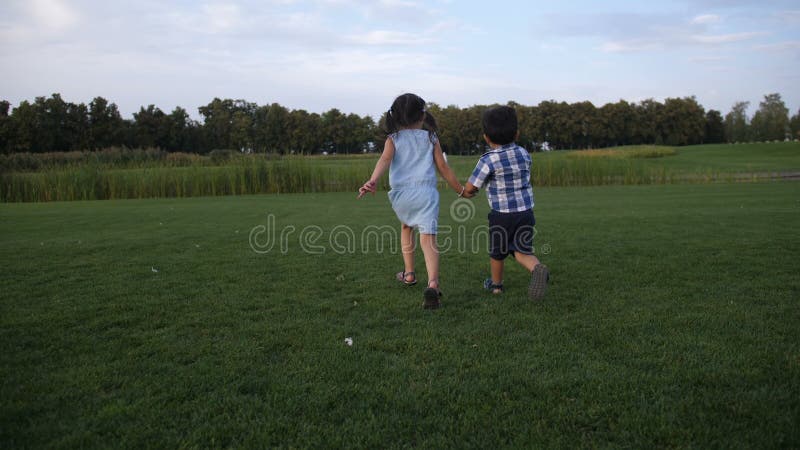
(407, 248)
(431, 252)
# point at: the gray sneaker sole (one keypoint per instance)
(538, 285)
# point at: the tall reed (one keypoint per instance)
(91, 181)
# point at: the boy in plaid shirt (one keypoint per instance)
(505, 170)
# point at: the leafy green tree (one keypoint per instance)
(715, 128)
(105, 124)
(271, 122)
(184, 133)
(23, 124)
(360, 132)
(647, 117)
(218, 123)
(526, 117)
(548, 122)
(333, 130)
(77, 132)
(5, 127)
(682, 122)
(51, 125)
(241, 137)
(51, 116)
(618, 119)
(737, 125)
(152, 127)
(303, 136)
(586, 124)
(448, 119)
(771, 121)
(794, 125)
(472, 129)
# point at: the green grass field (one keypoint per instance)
(672, 321)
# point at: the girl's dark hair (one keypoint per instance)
(407, 110)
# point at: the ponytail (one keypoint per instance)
(429, 124)
(391, 123)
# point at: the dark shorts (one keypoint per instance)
(511, 233)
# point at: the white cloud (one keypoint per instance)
(789, 16)
(222, 16)
(25, 22)
(705, 19)
(386, 37)
(709, 59)
(786, 46)
(354, 62)
(52, 15)
(672, 38)
(404, 11)
(725, 38)
(628, 46)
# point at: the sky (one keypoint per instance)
(358, 55)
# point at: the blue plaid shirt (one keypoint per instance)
(506, 172)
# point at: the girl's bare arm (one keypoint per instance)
(380, 167)
(444, 169)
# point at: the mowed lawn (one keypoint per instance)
(673, 320)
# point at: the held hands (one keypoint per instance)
(466, 193)
(370, 186)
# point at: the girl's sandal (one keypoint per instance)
(401, 277)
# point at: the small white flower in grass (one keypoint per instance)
(154, 269)
(348, 341)
(197, 245)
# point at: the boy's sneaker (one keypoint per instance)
(430, 298)
(540, 275)
(489, 285)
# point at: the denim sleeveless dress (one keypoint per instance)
(412, 178)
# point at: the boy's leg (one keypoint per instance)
(431, 252)
(540, 275)
(528, 261)
(407, 248)
(497, 270)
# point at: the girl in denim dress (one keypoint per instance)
(413, 156)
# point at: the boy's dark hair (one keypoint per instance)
(500, 124)
(407, 110)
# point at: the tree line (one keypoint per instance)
(51, 124)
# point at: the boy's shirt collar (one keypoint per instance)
(502, 148)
